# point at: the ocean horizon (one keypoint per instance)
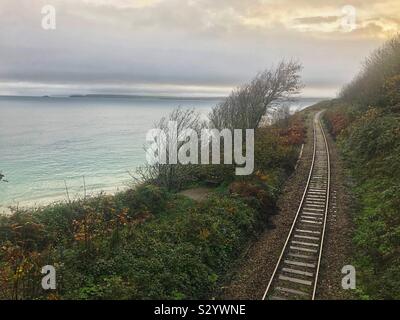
(49, 145)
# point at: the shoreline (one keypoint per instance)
(35, 204)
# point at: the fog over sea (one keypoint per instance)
(46, 141)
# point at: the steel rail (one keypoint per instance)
(307, 192)
(326, 210)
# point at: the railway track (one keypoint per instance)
(295, 276)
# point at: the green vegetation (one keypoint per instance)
(148, 242)
(102, 250)
(366, 123)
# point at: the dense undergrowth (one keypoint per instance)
(147, 243)
(366, 124)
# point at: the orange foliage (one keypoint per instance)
(338, 122)
(294, 134)
(250, 190)
(19, 272)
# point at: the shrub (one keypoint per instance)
(370, 144)
(255, 195)
(145, 198)
(375, 83)
(392, 89)
(106, 254)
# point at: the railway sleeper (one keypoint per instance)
(292, 291)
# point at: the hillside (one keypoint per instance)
(365, 121)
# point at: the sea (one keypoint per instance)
(56, 149)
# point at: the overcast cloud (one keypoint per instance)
(202, 47)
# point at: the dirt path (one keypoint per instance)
(197, 194)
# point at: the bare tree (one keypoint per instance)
(243, 109)
(246, 106)
(281, 115)
(172, 176)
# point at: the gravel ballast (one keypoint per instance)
(251, 275)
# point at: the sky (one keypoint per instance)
(185, 47)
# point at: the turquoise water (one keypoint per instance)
(46, 141)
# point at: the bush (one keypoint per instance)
(392, 89)
(147, 197)
(255, 195)
(273, 152)
(377, 83)
(370, 144)
(102, 252)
